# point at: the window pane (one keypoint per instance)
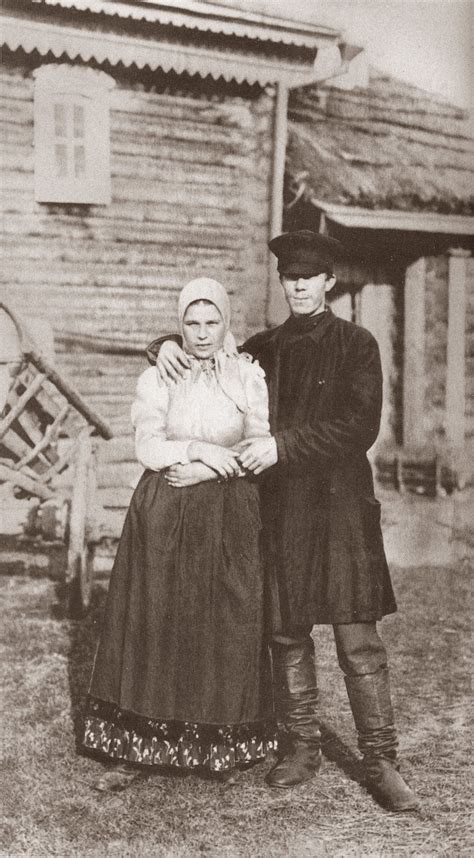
(60, 151)
(60, 120)
(79, 161)
(78, 121)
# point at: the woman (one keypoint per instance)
(181, 674)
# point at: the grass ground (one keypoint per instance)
(50, 807)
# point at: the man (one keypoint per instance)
(322, 539)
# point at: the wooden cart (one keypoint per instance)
(47, 452)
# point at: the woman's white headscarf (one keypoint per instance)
(227, 364)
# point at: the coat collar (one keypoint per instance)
(272, 350)
(316, 333)
(275, 336)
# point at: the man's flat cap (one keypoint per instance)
(305, 253)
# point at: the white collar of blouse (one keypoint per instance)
(225, 364)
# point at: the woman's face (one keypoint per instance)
(203, 329)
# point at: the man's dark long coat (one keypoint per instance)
(324, 547)
(322, 539)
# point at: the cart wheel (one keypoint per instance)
(79, 574)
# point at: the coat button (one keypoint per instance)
(332, 491)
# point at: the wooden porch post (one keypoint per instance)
(455, 368)
(277, 309)
(342, 305)
(377, 315)
(414, 355)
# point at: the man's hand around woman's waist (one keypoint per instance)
(257, 454)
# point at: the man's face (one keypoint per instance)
(305, 295)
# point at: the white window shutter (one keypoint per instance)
(72, 135)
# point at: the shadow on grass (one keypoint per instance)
(335, 750)
(83, 636)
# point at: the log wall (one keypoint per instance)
(469, 346)
(190, 197)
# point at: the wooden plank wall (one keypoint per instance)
(191, 197)
(469, 345)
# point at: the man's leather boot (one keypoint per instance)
(297, 698)
(369, 697)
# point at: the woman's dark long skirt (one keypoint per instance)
(181, 675)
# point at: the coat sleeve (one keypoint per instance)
(253, 344)
(152, 350)
(256, 422)
(356, 425)
(149, 410)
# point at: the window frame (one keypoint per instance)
(72, 87)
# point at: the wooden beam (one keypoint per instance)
(414, 355)
(342, 305)
(377, 315)
(277, 309)
(455, 365)
(354, 217)
(33, 487)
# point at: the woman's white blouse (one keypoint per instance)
(167, 418)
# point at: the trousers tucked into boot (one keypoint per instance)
(297, 698)
(369, 697)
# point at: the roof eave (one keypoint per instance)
(86, 44)
(353, 217)
(208, 18)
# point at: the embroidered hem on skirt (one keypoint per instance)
(126, 736)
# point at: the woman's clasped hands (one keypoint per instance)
(213, 460)
(221, 459)
(190, 474)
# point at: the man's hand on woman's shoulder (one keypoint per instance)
(172, 363)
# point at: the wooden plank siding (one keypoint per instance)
(190, 197)
(469, 347)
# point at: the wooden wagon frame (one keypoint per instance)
(47, 452)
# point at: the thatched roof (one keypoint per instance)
(390, 146)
